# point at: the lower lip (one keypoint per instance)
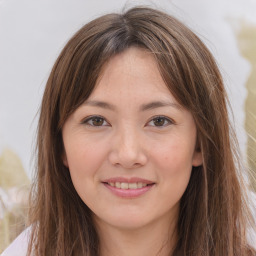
(128, 193)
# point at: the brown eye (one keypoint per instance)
(95, 121)
(160, 121)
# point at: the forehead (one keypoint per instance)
(131, 74)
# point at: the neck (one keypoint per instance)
(155, 239)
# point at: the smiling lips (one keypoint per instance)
(128, 188)
(125, 185)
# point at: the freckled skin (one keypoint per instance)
(130, 144)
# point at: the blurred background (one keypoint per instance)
(32, 34)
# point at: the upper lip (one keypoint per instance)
(127, 180)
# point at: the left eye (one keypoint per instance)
(95, 121)
(160, 121)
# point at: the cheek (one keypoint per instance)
(85, 161)
(84, 158)
(175, 162)
(174, 175)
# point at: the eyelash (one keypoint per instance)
(90, 119)
(167, 121)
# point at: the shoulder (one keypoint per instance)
(19, 246)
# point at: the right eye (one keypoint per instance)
(95, 121)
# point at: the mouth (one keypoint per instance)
(128, 188)
(126, 185)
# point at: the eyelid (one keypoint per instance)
(170, 121)
(85, 120)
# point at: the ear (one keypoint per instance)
(65, 160)
(197, 158)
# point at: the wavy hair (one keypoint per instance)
(214, 217)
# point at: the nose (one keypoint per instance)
(127, 149)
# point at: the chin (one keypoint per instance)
(124, 220)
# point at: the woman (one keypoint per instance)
(135, 152)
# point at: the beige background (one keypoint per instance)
(247, 45)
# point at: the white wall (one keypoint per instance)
(32, 33)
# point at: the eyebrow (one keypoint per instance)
(159, 104)
(100, 104)
(144, 107)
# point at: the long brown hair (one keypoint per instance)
(214, 217)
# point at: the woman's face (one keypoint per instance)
(130, 147)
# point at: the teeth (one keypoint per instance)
(132, 185)
(139, 185)
(125, 185)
